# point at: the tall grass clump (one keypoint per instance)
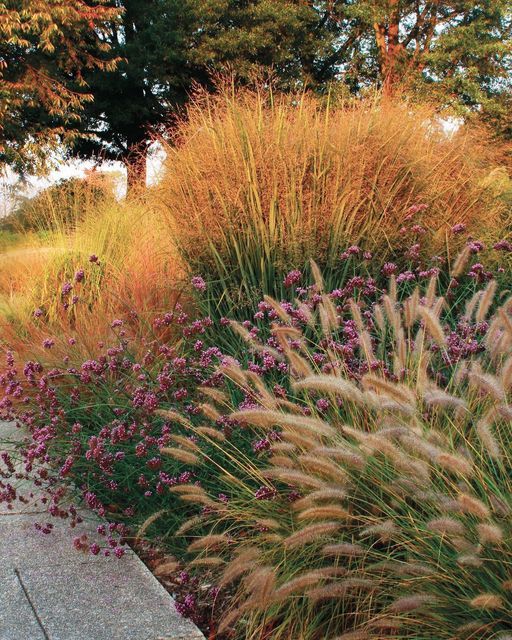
(256, 184)
(87, 258)
(379, 503)
(64, 202)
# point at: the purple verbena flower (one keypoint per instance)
(322, 404)
(389, 268)
(198, 283)
(406, 276)
(67, 287)
(475, 246)
(503, 245)
(265, 493)
(292, 278)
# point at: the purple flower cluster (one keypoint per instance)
(89, 423)
(198, 283)
(265, 493)
(292, 278)
(354, 250)
(99, 425)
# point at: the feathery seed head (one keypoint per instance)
(447, 526)
(324, 512)
(311, 533)
(488, 601)
(410, 603)
(344, 549)
(473, 506)
(489, 533)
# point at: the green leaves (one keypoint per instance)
(456, 53)
(45, 47)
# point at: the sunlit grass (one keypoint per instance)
(136, 271)
(257, 184)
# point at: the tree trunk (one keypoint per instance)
(137, 135)
(136, 169)
(389, 46)
(391, 79)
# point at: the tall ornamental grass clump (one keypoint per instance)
(256, 184)
(379, 503)
(87, 258)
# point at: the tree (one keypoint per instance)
(46, 46)
(458, 52)
(168, 46)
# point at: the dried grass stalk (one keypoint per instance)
(311, 533)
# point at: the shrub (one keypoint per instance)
(256, 184)
(61, 204)
(381, 504)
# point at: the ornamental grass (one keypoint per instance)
(343, 469)
(86, 258)
(256, 184)
(379, 504)
(307, 450)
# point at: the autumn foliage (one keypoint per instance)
(45, 47)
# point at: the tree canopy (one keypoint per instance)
(168, 46)
(60, 55)
(46, 47)
(458, 52)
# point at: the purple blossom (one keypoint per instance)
(198, 283)
(187, 607)
(503, 245)
(389, 268)
(414, 252)
(478, 273)
(265, 493)
(406, 276)
(292, 278)
(429, 273)
(415, 208)
(67, 287)
(322, 404)
(475, 246)
(261, 445)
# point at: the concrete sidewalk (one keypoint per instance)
(50, 591)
